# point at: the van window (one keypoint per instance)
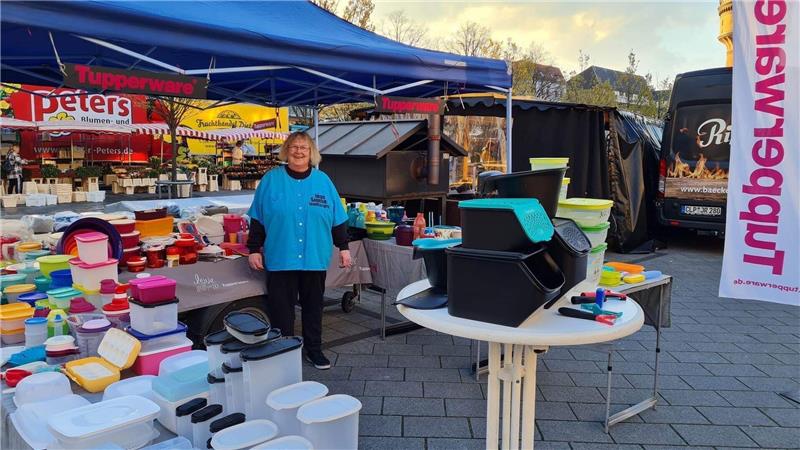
(702, 130)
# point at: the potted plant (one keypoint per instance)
(50, 171)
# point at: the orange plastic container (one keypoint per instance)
(625, 267)
(155, 227)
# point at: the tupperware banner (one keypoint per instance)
(762, 256)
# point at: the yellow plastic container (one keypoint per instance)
(586, 212)
(118, 351)
(155, 227)
(25, 247)
(548, 163)
(564, 186)
(13, 315)
(14, 291)
(51, 263)
(633, 279)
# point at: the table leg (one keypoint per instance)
(529, 397)
(383, 314)
(517, 374)
(493, 397)
(516, 388)
(508, 400)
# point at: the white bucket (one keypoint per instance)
(331, 422)
(283, 404)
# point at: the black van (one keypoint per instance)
(695, 150)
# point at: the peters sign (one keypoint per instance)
(134, 81)
(762, 255)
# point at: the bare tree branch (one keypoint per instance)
(400, 28)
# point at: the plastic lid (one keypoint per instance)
(226, 422)
(87, 266)
(296, 395)
(54, 259)
(435, 244)
(328, 409)
(102, 417)
(206, 413)
(95, 326)
(146, 337)
(140, 385)
(79, 305)
(272, 348)
(109, 286)
(246, 323)
(213, 379)
(35, 321)
(152, 305)
(244, 435)
(31, 297)
(119, 348)
(228, 369)
(549, 160)
(530, 214)
(62, 290)
(218, 338)
(596, 228)
(291, 442)
(237, 346)
(131, 234)
(600, 248)
(20, 289)
(191, 406)
(565, 181)
(570, 236)
(91, 237)
(116, 305)
(589, 204)
(85, 291)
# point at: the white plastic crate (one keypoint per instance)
(35, 200)
(96, 196)
(51, 199)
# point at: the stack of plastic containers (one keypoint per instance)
(12, 322)
(267, 367)
(181, 378)
(592, 216)
(93, 263)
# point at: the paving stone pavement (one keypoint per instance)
(725, 363)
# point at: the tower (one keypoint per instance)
(725, 10)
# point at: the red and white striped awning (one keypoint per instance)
(82, 127)
(240, 134)
(17, 124)
(163, 129)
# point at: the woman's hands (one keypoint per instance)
(256, 261)
(345, 260)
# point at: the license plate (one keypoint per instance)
(692, 210)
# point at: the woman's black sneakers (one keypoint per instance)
(318, 359)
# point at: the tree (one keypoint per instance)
(637, 95)
(589, 92)
(472, 39)
(400, 28)
(535, 75)
(359, 12)
(174, 111)
(328, 5)
(661, 97)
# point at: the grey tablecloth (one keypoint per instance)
(392, 265)
(209, 283)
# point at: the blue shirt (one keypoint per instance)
(298, 216)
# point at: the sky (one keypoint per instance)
(667, 37)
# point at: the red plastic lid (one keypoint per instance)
(80, 305)
(108, 286)
(91, 237)
(116, 305)
(173, 251)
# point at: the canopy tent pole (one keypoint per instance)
(509, 123)
(316, 126)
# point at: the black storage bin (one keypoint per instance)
(435, 267)
(544, 185)
(503, 288)
(493, 227)
(569, 248)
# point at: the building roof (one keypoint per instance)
(376, 138)
(603, 74)
(552, 72)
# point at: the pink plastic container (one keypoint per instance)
(148, 363)
(92, 247)
(136, 282)
(156, 291)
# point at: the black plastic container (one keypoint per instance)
(503, 288)
(493, 229)
(435, 266)
(544, 185)
(570, 250)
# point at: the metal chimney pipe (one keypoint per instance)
(434, 153)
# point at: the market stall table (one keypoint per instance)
(517, 369)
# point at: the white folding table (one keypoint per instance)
(516, 368)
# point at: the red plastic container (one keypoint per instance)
(136, 264)
(124, 226)
(130, 240)
(233, 223)
(155, 291)
(147, 363)
(127, 254)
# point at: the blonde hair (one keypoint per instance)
(314, 158)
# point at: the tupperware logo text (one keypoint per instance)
(103, 78)
(203, 284)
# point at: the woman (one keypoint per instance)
(12, 167)
(237, 154)
(297, 217)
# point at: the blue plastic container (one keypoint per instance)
(60, 278)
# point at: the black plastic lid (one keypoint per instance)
(246, 323)
(270, 349)
(228, 369)
(237, 346)
(226, 422)
(218, 338)
(190, 407)
(211, 379)
(206, 413)
(208, 444)
(152, 305)
(569, 234)
(494, 254)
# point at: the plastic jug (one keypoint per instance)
(419, 226)
(233, 223)
(56, 323)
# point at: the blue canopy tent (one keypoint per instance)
(278, 53)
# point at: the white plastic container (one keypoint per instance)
(594, 264)
(126, 421)
(201, 423)
(331, 422)
(92, 247)
(175, 363)
(214, 343)
(586, 212)
(30, 419)
(90, 275)
(35, 331)
(154, 319)
(285, 443)
(283, 404)
(216, 389)
(234, 390)
(183, 416)
(141, 385)
(166, 415)
(176, 443)
(41, 387)
(596, 234)
(268, 367)
(246, 435)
